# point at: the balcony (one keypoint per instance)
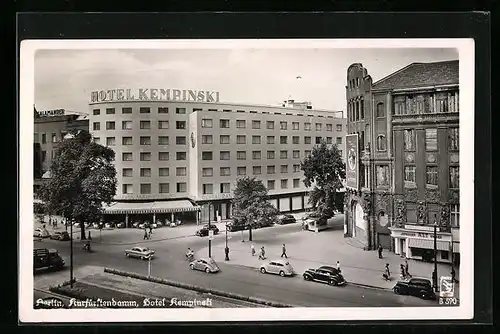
(431, 118)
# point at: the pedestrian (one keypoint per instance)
(150, 229)
(407, 273)
(387, 273)
(145, 235)
(252, 247)
(338, 266)
(283, 252)
(402, 269)
(380, 251)
(262, 255)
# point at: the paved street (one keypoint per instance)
(171, 244)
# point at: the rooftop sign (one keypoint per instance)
(153, 94)
(55, 112)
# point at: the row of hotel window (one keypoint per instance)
(442, 103)
(181, 187)
(432, 177)
(208, 155)
(208, 123)
(223, 139)
(209, 171)
(431, 140)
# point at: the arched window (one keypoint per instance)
(380, 110)
(381, 143)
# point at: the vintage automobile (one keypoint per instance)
(278, 267)
(61, 236)
(206, 265)
(415, 286)
(286, 219)
(203, 232)
(325, 274)
(47, 258)
(234, 227)
(41, 233)
(142, 253)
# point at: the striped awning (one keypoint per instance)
(150, 207)
(174, 206)
(428, 244)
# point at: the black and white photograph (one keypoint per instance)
(220, 180)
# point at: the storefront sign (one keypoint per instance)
(212, 197)
(420, 235)
(421, 228)
(352, 166)
(153, 94)
(55, 112)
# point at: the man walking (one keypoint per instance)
(145, 234)
(252, 247)
(407, 273)
(338, 266)
(283, 252)
(380, 251)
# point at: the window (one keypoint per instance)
(296, 168)
(180, 140)
(241, 124)
(296, 154)
(255, 139)
(318, 126)
(212, 109)
(257, 170)
(206, 139)
(145, 188)
(409, 140)
(162, 110)
(283, 139)
(307, 153)
(382, 175)
(270, 139)
(270, 154)
(329, 140)
(307, 126)
(96, 111)
(410, 174)
(255, 124)
(283, 125)
(180, 155)
(147, 125)
(208, 189)
(339, 140)
(455, 215)
(44, 138)
(145, 172)
(241, 155)
(270, 125)
(420, 106)
(126, 125)
(329, 127)
(126, 110)
(110, 141)
(127, 189)
(270, 184)
(225, 171)
(296, 183)
(97, 140)
(241, 171)
(180, 125)
(164, 188)
(339, 127)
(431, 175)
(381, 143)
(145, 156)
(110, 111)
(284, 168)
(318, 140)
(144, 110)
(380, 110)
(453, 139)
(126, 140)
(295, 140)
(241, 139)
(164, 156)
(206, 123)
(256, 155)
(225, 188)
(224, 139)
(206, 172)
(181, 186)
(455, 177)
(180, 110)
(110, 125)
(127, 172)
(162, 125)
(225, 155)
(127, 156)
(283, 154)
(163, 171)
(224, 123)
(284, 184)
(295, 125)
(145, 140)
(430, 139)
(271, 169)
(307, 140)
(180, 171)
(35, 137)
(163, 140)
(442, 104)
(97, 126)
(207, 155)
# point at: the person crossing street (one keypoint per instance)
(283, 252)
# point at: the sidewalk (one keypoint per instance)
(307, 249)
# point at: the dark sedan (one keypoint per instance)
(325, 274)
(286, 219)
(234, 227)
(61, 236)
(203, 232)
(415, 286)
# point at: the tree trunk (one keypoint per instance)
(250, 234)
(82, 231)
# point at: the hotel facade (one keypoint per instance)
(176, 155)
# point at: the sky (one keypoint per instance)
(65, 78)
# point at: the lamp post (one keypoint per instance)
(209, 229)
(434, 274)
(226, 250)
(71, 255)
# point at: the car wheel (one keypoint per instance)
(423, 295)
(127, 254)
(282, 273)
(397, 290)
(191, 266)
(263, 270)
(307, 277)
(332, 282)
(143, 258)
(207, 270)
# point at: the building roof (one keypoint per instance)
(421, 75)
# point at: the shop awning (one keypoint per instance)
(428, 244)
(150, 207)
(122, 208)
(456, 247)
(174, 206)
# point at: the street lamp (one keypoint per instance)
(434, 273)
(226, 250)
(71, 255)
(209, 229)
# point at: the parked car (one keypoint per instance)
(61, 236)
(206, 265)
(325, 274)
(279, 267)
(47, 258)
(286, 219)
(415, 286)
(109, 225)
(234, 227)
(203, 232)
(120, 225)
(41, 233)
(142, 253)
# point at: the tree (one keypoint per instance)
(324, 170)
(251, 204)
(83, 177)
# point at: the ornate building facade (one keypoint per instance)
(405, 137)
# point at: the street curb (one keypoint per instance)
(366, 286)
(196, 288)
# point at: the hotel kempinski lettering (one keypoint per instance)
(153, 94)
